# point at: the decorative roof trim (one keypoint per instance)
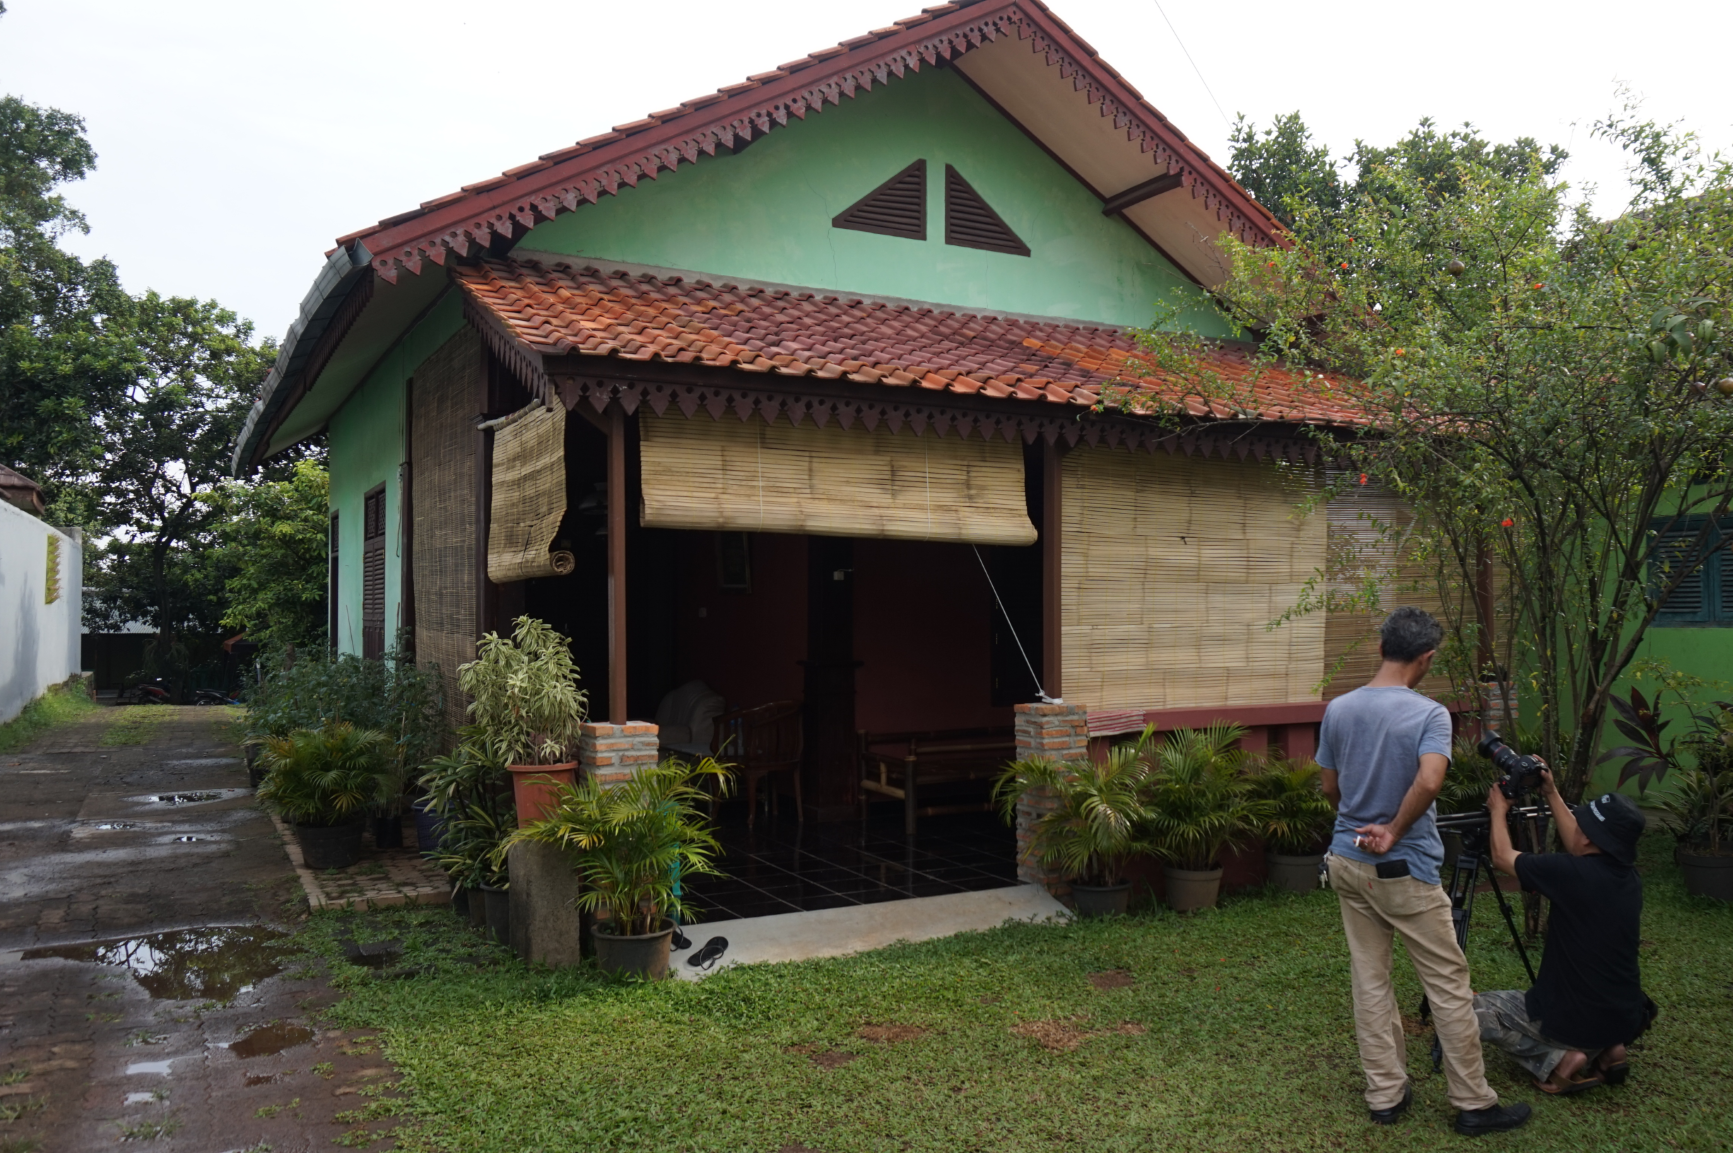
(505, 207)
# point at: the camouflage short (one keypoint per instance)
(1504, 1021)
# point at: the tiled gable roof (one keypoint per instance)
(567, 310)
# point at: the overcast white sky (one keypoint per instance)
(237, 138)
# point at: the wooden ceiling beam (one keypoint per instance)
(1138, 193)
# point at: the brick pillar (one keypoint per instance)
(614, 752)
(1053, 733)
(1494, 697)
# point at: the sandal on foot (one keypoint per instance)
(1576, 1085)
(712, 951)
(1616, 1074)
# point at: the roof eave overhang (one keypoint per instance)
(346, 269)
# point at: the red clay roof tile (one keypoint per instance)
(563, 309)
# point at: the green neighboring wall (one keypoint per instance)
(765, 214)
(366, 445)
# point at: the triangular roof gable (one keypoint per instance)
(1023, 58)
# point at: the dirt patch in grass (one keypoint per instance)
(823, 1058)
(1112, 979)
(1064, 1036)
(888, 1034)
(1412, 1025)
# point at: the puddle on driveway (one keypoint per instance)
(268, 1039)
(187, 964)
(113, 825)
(261, 1079)
(197, 761)
(141, 1098)
(160, 1067)
(192, 797)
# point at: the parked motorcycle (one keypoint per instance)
(213, 697)
(144, 693)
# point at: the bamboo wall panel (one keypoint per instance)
(529, 495)
(701, 473)
(1367, 526)
(1173, 569)
(447, 392)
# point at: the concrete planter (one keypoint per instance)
(1101, 900)
(429, 828)
(329, 846)
(534, 788)
(477, 909)
(1295, 874)
(644, 955)
(1707, 875)
(1189, 889)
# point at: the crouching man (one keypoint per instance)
(1571, 1029)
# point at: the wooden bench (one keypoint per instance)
(904, 766)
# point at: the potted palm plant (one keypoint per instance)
(323, 782)
(1199, 803)
(1094, 826)
(527, 700)
(1297, 825)
(630, 844)
(1700, 815)
(465, 792)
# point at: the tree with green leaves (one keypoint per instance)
(1551, 393)
(274, 544)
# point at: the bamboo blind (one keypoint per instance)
(1173, 568)
(447, 387)
(750, 476)
(1367, 527)
(529, 494)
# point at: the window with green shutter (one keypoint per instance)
(1704, 593)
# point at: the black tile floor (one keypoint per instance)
(785, 867)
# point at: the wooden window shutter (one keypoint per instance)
(749, 476)
(970, 223)
(373, 574)
(1689, 602)
(898, 207)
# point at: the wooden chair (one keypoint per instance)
(759, 741)
(902, 766)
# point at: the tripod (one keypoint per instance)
(1475, 829)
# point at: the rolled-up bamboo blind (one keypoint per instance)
(1173, 569)
(529, 494)
(750, 476)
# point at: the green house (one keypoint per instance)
(787, 399)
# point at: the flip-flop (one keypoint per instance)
(679, 941)
(710, 954)
(1616, 1074)
(1576, 1085)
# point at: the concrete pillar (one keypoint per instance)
(1053, 733)
(545, 925)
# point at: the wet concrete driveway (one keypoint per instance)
(146, 994)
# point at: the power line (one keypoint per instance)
(1194, 66)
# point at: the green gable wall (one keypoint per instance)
(366, 446)
(765, 214)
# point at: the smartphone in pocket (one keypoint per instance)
(1390, 870)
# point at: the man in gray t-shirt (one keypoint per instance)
(1384, 750)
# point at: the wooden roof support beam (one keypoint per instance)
(1138, 193)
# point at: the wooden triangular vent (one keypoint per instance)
(898, 207)
(969, 223)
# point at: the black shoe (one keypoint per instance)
(1393, 1114)
(1492, 1119)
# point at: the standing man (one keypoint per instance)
(1384, 749)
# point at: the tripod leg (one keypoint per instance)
(1510, 923)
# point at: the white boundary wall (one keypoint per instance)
(39, 642)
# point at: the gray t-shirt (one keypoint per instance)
(1373, 738)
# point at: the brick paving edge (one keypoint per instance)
(316, 898)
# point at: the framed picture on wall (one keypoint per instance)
(733, 562)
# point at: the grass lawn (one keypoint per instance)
(59, 705)
(1223, 1030)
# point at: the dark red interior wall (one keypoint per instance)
(923, 621)
(745, 645)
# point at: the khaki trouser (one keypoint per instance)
(1373, 911)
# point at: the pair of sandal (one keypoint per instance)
(704, 958)
(1616, 1073)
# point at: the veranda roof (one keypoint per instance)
(562, 309)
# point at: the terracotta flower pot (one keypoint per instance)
(1189, 889)
(644, 955)
(1295, 874)
(1101, 900)
(1707, 874)
(533, 788)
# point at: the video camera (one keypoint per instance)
(1521, 773)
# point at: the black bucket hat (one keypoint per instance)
(1613, 822)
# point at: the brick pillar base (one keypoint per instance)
(612, 753)
(1051, 733)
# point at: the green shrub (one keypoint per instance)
(326, 776)
(1300, 816)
